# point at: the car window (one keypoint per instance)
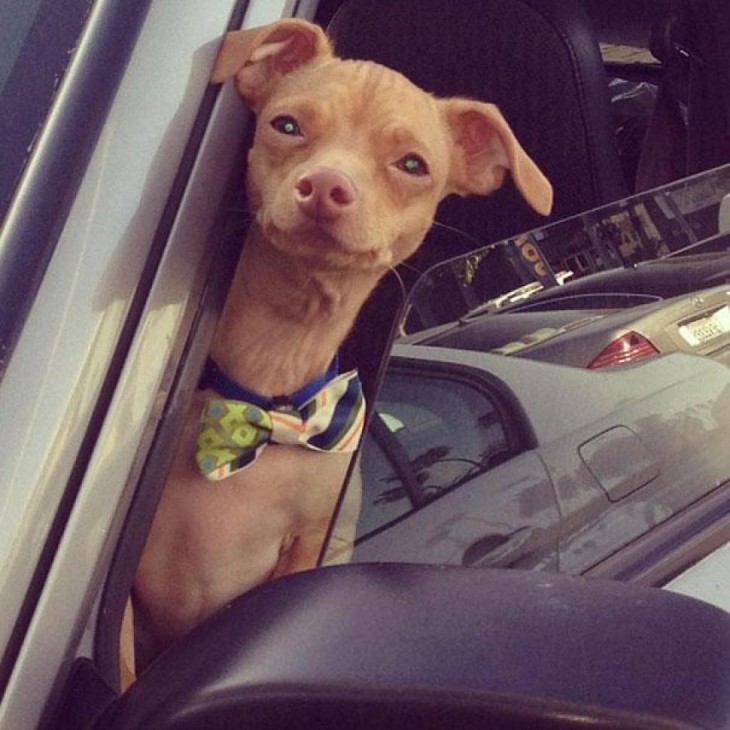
(17, 21)
(430, 434)
(682, 218)
(37, 40)
(37, 43)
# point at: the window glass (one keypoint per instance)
(433, 434)
(17, 19)
(37, 39)
(687, 216)
(385, 496)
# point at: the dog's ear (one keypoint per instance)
(484, 149)
(258, 57)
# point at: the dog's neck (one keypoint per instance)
(283, 322)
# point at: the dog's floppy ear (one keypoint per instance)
(484, 149)
(258, 57)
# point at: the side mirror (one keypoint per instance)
(415, 646)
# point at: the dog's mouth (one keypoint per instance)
(323, 246)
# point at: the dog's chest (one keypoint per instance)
(285, 488)
(301, 483)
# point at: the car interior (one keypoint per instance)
(596, 144)
(549, 81)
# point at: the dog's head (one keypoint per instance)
(350, 159)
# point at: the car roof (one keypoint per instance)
(558, 398)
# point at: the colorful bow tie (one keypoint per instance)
(234, 432)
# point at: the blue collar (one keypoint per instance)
(215, 379)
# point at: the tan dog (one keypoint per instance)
(348, 165)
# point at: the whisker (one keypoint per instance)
(409, 267)
(463, 234)
(394, 270)
(403, 293)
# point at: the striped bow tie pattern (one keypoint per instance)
(234, 432)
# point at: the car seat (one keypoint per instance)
(538, 60)
(690, 126)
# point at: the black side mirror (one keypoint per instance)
(406, 646)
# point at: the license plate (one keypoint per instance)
(708, 328)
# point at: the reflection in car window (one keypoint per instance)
(36, 43)
(430, 435)
(38, 39)
(385, 492)
(667, 223)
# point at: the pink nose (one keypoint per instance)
(323, 193)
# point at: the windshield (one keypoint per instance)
(483, 450)
(671, 222)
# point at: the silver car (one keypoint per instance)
(480, 460)
(572, 332)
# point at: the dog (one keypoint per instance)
(347, 167)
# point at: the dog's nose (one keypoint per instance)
(323, 193)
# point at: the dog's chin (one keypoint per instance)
(325, 249)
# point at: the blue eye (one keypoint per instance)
(285, 124)
(413, 165)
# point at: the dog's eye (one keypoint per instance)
(413, 165)
(286, 125)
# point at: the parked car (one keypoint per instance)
(473, 459)
(120, 224)
(619, 332)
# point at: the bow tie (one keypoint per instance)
(234, 432)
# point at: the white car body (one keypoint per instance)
(53, 380)
(613, 459)
(708, 580)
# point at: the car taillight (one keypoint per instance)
(627, 348)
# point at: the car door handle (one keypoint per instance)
(501, 549)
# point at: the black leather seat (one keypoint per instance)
(538, 60)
